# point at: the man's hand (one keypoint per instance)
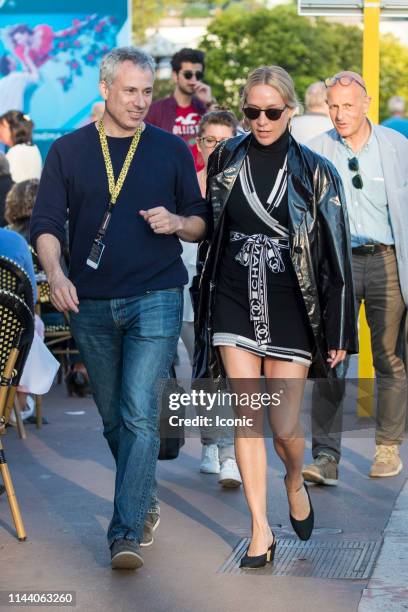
(336, 356)
(162, 221)
(203, 93)
(63, 293)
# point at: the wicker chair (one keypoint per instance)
(16, 335)
(15, 279)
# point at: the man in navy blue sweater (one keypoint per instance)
(130, 192)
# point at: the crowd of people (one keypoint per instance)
(279, 225)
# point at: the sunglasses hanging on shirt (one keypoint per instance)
(273, 114)
(354, 166)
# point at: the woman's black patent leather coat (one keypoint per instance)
(319, 249)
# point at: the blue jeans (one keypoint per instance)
(128, 345)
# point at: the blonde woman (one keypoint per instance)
(276, 288)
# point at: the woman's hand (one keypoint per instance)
(335, 356)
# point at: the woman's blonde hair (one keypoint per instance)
(276, 77)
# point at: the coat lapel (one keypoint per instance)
(300, 194)
(223, 182)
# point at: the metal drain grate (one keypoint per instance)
(353, 560)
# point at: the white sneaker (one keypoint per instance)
(230, 478)
(209, 459)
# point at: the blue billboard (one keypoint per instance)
(50, 52)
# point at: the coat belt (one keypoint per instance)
(260, 252)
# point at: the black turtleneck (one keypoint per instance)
(281, 144)
(266, 161)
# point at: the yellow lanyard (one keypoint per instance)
(114, 189)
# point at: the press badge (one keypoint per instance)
(95, 255)
(98, 247)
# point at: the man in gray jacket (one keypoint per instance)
(373, 163)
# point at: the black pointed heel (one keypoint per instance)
(303, 529)
(259, 561)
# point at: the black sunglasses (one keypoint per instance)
(188, 74)
(273, 114)
(354, 166)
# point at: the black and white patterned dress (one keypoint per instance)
(258, 304)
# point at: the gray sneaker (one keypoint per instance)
(324, 470)
(151, 523)
(125, 554)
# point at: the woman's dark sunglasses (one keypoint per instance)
(188, 74)
(273, 114)
(354, 166)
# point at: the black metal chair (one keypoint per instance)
(16, 335)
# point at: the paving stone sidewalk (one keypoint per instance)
(388, 587)
(64, 479)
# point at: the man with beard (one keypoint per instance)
(181, 112)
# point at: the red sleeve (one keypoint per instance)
(153, 116)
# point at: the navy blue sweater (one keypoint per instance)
(74, 181)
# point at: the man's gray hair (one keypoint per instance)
(111, 61)
(315, 96)
(396, 104)
(4, 165)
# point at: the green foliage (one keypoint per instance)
(162, 88)
(207, 7)
(394, 71)
(146, 14)
(196, 10)
(238, 41)
(244, 36)
(309, 49)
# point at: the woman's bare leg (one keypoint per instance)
(288, 438)
(250, 450)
